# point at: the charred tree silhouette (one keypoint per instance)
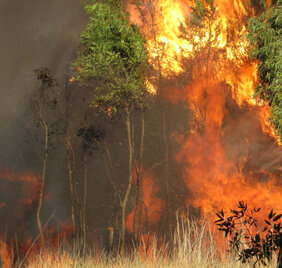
(245, 238)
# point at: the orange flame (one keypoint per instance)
(26, 187)
(5, 255)
(223, 77)
(150, 87)
(152, 205)
(30, 184)
(215, 182)
(51, 259)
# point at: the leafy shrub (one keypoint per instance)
(245, 236)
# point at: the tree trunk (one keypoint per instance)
(70, 162)
(84, 204)
(129, 185)
(116, 195)
(41, 193)
(137, 220)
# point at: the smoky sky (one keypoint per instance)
(34, 33)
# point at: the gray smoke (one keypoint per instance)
(34, 33)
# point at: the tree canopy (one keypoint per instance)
(265, 37)
(113, 57)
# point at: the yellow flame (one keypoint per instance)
(221, 40)
(150, 87)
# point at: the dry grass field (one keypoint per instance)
(194, 245)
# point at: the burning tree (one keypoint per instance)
(113, 60)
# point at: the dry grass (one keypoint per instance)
(193, 245)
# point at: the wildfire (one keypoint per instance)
(215, 182)
(51, 259)
(5, 255)
(29, 184)
(223, 82)
(150, 87)
(25, 187)
(218, 170)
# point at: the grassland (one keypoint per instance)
(193, 244)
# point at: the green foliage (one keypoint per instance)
(113, 57)
(245, 237)
(265, 37)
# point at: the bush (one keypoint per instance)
(245, 236)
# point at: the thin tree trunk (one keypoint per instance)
(70, 162)
(117, 197)
(129, 185)
(137, 220)
(41, 193)
(84, 203)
